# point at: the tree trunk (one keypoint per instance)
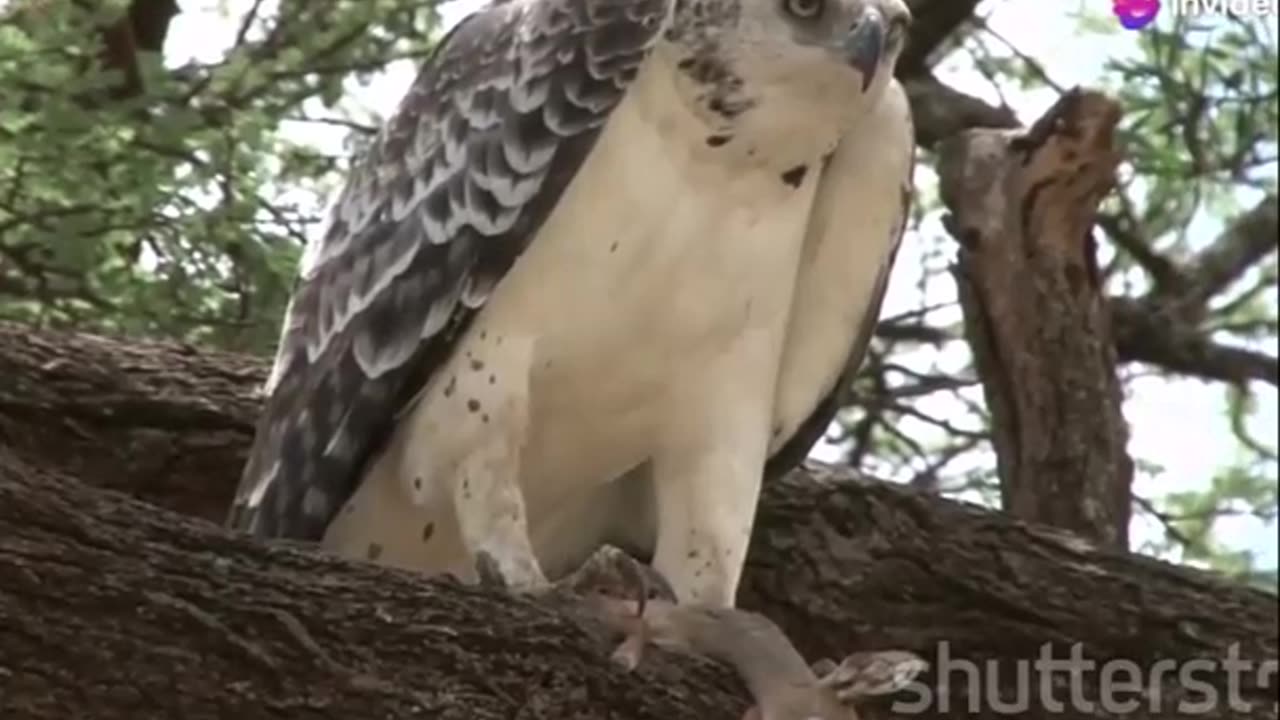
(112, 608)
(1022, 207)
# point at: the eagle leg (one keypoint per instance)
(706, 495)
(465, 438)
(709, 455)
(491, 516)
(491, 513)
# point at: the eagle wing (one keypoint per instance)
(456, 185)
(891, 134)
(797, 447)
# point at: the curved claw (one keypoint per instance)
(611, 571)
(614, 587)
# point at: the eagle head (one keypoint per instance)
(827, 59)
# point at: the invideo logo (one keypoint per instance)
(1137, 14)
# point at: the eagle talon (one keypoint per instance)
(612, 572)
(521, 575)
(487, 572)
(614, 586)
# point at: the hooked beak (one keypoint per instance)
(864, 45)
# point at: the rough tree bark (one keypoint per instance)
(1022, 207)
(112, 608)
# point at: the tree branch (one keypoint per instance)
(1247, 240)
(1163, 329)
(1122, 228)
(933, 23)
(940, 111)
(1149, 336)
(1023, 205)
(114, 609)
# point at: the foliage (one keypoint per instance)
(179, 208)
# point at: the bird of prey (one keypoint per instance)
(608, 261)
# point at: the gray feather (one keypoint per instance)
(457, 183)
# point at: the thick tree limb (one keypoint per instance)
(1122, 229)
(1184, 291)
(1248, 239)
(161, 422)
(1162, 328)
(934, 22)
(1023, 205)
(1144, 333)
(114, 609)
(940, 111)
(110, 609)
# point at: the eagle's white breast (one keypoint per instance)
(661, 295)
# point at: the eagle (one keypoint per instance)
(609, 265)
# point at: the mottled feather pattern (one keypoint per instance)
(454, 187)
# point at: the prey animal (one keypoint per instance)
(609, 263)
(782, 684)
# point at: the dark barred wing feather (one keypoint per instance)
(458, 182)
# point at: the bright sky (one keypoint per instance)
(1182, 425)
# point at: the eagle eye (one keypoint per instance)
(804, 9)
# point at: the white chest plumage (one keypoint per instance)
(667, 261)
(689, 302)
